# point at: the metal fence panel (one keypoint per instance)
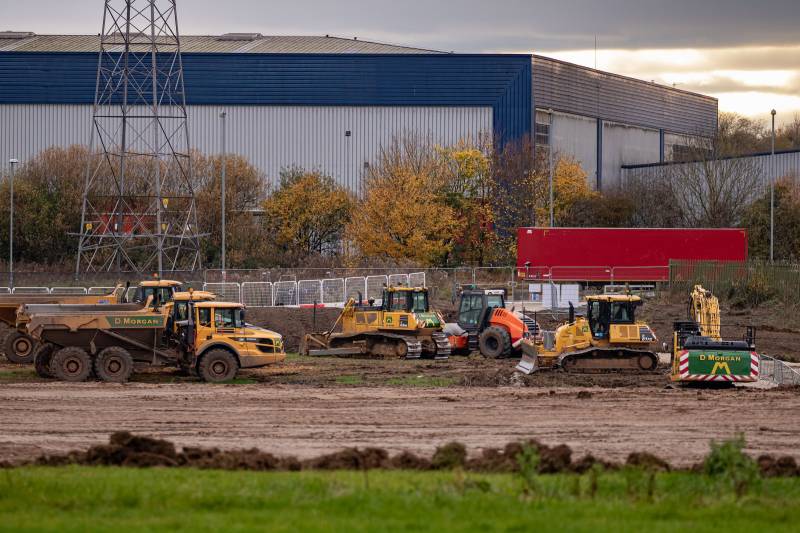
(375, 286)
(66, 291)
(5, 290)
(309, 292)
(257, 293)
(100, 291)
(416, 279)
(228, 292)
(31, 290)
(355, 287)
(398, 280)
(285, 293)
(333, 291)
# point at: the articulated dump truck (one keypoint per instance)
(19, 347)
(193, 332)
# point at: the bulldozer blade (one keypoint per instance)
(528, 364)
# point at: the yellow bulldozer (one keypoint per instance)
(402, 326)
(608, 339)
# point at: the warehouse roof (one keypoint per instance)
(18, 41)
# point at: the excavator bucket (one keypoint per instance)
(530, 360)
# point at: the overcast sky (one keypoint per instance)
(745, 52)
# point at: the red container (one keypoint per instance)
(621, 254)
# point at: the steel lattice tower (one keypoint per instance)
(139, 212)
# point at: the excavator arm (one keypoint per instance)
(704, 309)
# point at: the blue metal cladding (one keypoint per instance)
(500, 81)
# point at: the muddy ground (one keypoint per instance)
(307, 407)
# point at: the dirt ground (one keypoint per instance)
(308, 407)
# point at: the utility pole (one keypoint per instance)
(550, 164)
(13, 163)
(772, 194)
(222, 117)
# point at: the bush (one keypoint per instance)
(728, 463)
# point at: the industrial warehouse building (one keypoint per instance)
(331, 104)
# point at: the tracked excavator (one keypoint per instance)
(700, 355)
(608, 339)
(402, 326)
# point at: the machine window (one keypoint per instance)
(621, 313)
(204, 317)
(399, 301)
(471, 308)
(420, 302)
(228, 318)
(496, 301)
(181, 311)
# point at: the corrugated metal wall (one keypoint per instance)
(786, 164)
(502, 82)
(583, 91)
(270, 137)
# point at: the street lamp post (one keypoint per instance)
(13, 163)
(772, 194)
(222, 116)
(552, 171)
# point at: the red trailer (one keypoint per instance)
(620, 254)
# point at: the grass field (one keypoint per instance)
(82, 498)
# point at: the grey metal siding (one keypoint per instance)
(272, 138)
(786, 164)
(583, 91)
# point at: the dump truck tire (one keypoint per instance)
(494, 343)
(114, 365)
(19, 348)
(42, 359)
(71, 364)
(217, 366)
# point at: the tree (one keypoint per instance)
(402, 216)
(306, 215)
(48, 192)
(569, 188)
(468, 188)
(787, 222)
(244, 188)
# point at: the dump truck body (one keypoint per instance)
(92, 335)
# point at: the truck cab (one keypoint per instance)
(215, 341)
(162, 290)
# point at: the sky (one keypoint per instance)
(744, 52)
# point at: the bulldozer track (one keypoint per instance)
(443, 348)
(599, 360)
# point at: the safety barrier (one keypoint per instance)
(333, 292)
(228, 292)
(778, 371)
(309, 292)
(68, 291)
(257, 293)
(355, 288)
(375, 286)
(31, 290)
(417, 279)
(284, 293)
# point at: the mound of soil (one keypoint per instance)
(647, 461)
(127, 450)
(780, 467)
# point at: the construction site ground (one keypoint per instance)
(307, 407)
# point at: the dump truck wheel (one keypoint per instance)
(495, 342)
(42, 359)
(71, 364)
(217, 366)
(19, 348)
(114, 365)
